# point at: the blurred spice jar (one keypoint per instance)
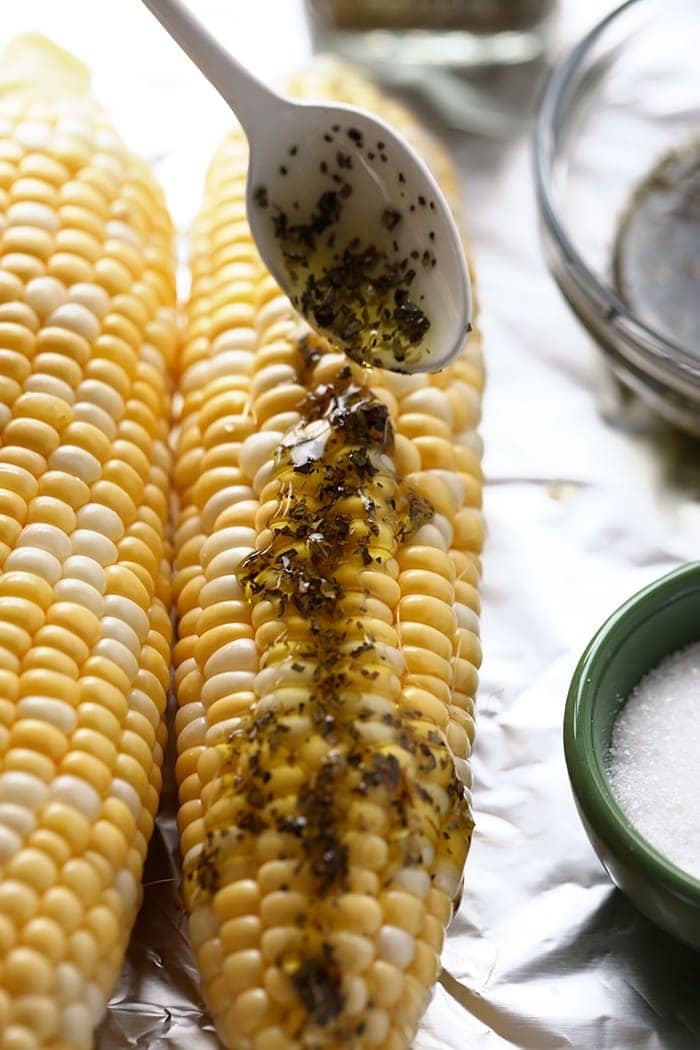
(463, 34)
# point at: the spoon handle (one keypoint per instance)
(244, 93)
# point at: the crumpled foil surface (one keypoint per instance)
(588, 498)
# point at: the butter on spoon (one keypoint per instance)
(345, 215)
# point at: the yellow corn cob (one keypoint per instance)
(327, 563)
(87, 336)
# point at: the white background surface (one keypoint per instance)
(587, 500)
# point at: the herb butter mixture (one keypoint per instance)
(355, 290)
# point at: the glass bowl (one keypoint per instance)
(628, 94)
(657, 621)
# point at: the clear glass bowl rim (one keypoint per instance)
(651, 344)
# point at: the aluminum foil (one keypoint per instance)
(588, 498)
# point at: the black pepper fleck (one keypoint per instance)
(391, 218)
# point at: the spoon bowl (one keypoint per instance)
(353, 226)
(345, 215)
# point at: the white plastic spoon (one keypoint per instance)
(345, 215)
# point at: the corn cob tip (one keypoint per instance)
(31, 65)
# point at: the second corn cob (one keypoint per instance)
(87, 335)
(327, 564)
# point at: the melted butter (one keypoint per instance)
(332, 464)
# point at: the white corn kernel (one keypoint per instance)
(120, 655)
(101, 519)
(396, 946)
(139, 701)
(77, 461)
(231, 341)
(128, 795)
(75, 1026)
(400, 385)
(101, 394)
(75, 127)
(31, 213)
(223, 589)
(238, 361)
(413, 880)
(192, 735)
(429, 401)
(225, 540)
(233, 495)
(271, 376)
(354, 994)
(263, 475)
(78, 793)
(453, 482)
(44, 295)
(203, 925)
(45, 537)
(128, 889)
(93, 297)
(73, 590)
(220, 732)
(376, 1027)
(116, 605)
(36, 561)
(76, 318)
(227, 683)
(225, 659)
(427, 851)
(440, 522)
(10, 843)
(24, 789)
(226, 562)
(447, 877)
(463, 771)
(87, 569)
(46, 709)
(466, 617)
(120, 231)
(96, 417)
(195, 377)
(430, 536)
(92, 545)
(257, 450)
(46, 384)
(33, 134)
(69, 982)
(19, 818)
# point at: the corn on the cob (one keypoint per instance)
(87, 336)
(327, 556)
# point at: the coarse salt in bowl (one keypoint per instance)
(659, 622)
(654, 758)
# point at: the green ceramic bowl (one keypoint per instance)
(658, 620)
